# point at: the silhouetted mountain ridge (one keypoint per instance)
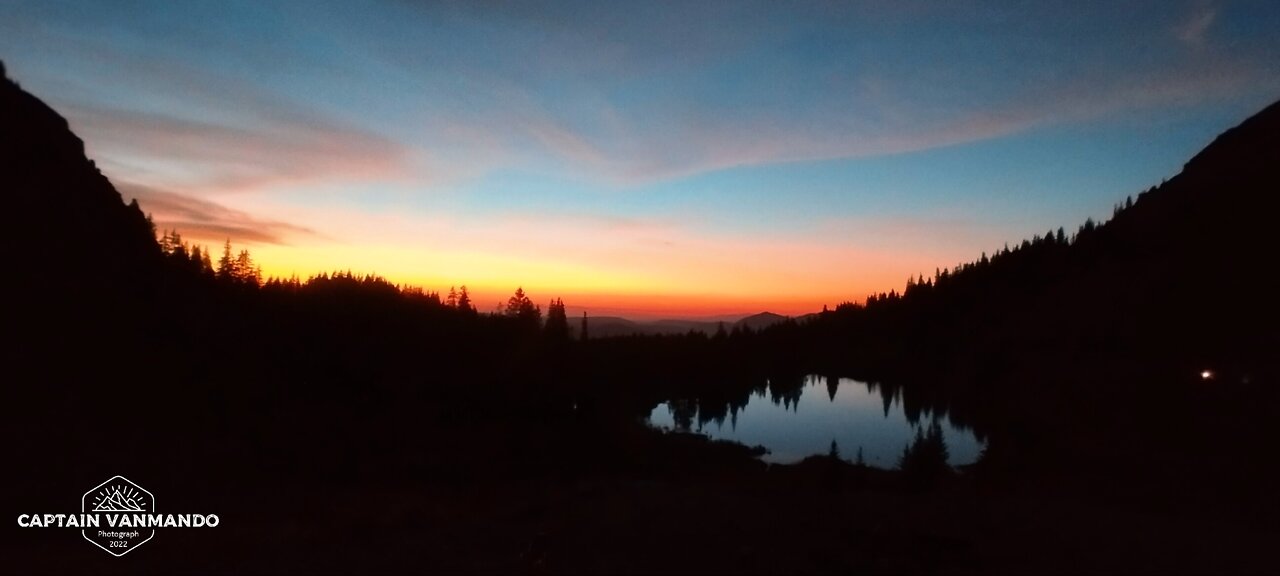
(86, 261)
(60, 198)
(612, 326)
(1189, 258)
(761, 320)
(1176, 274)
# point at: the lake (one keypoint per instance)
(794, 427)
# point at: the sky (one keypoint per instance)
(641, 159)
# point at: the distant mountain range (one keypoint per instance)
(611, 326)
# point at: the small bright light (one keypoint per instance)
(1206, 375)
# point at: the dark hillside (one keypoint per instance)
(80, 259)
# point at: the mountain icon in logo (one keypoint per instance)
(119, 494)
(119, 498)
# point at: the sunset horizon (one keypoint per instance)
(653, 164)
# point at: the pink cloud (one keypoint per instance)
(193, 154)
(209, 221)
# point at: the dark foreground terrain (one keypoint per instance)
(712, 511)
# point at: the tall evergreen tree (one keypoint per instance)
(464, 301)
(227, 264)
(557, 321)
(519, 306)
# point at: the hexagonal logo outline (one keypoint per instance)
(119, 501)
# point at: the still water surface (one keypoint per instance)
(856, 417)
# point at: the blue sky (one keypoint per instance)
(640, 158)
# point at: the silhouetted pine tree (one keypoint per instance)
(924, 461)
(464, 304)
(520, 307)
(557, 328)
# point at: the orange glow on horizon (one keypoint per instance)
(648, 269)
(603, 291)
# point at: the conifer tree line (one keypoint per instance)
(237, 268)
(1034, 252)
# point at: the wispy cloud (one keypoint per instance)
(868, 117)
(623, 97)
(209, 221)
(654, 99)
(644, 156)
(216, 157)
(1192, 31)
